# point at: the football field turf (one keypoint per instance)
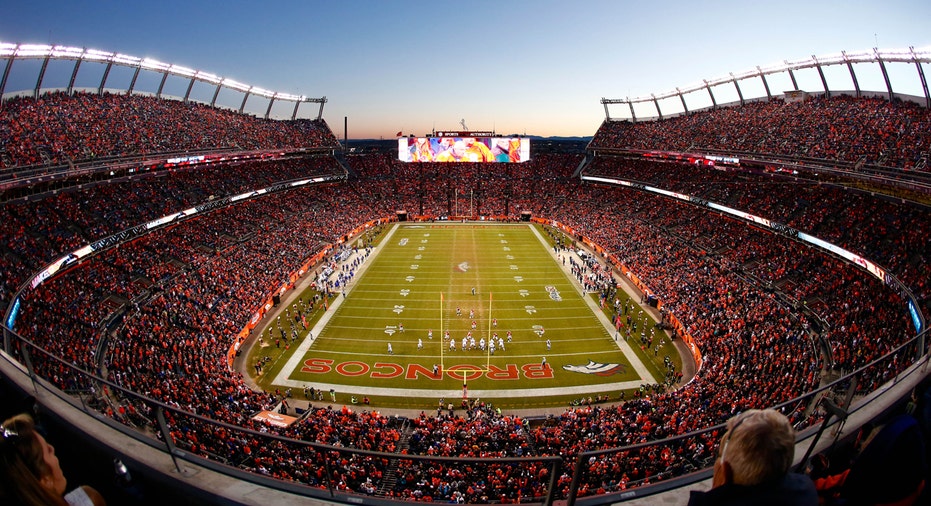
(482, 280)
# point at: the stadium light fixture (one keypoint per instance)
(205, 76)
(830, 59)
(719, 80)
(745, 75)
(182, 71)
(88, 55)
(797, 64)
(289, 97)
(262, 92)
(14, 51)
(67, 52)
(32, 51)
(150, 64)
(909, 55)
(854, 57)
(897, 53)
(96, 55)
(229, 83)
(772, 68)
(663, 96)
(129, 61)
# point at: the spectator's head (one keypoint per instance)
(29, 469)
(758, 447)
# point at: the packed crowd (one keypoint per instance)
(182, 296)
(892, 134)
(464, 189)
(59, 128)
(870, 226)
(33, 233)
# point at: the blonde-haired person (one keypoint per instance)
(753, 464)
(30, 474)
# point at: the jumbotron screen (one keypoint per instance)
(464, 149)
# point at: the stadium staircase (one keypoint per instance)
(589, 158)
(390, 478)
(344, 164)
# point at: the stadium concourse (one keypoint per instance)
(133, 339)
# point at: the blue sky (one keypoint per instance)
(539, 67)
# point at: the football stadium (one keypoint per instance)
(235, 308)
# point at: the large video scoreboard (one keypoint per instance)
(481, 147)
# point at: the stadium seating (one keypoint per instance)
(183, 298)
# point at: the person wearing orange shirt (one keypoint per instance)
(478, 151)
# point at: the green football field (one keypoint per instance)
(467, 281)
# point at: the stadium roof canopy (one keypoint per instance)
(12, 52)
(699, 94)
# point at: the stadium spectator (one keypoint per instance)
(754, 464)
(30, 473)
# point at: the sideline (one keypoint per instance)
(240, 364)
(293, 363)
(622, 344)
(689, 367)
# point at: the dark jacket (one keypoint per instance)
(793, 489)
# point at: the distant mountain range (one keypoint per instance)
(557, 138)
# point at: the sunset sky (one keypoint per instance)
(539, 67)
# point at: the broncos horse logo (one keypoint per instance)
(596, 368)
